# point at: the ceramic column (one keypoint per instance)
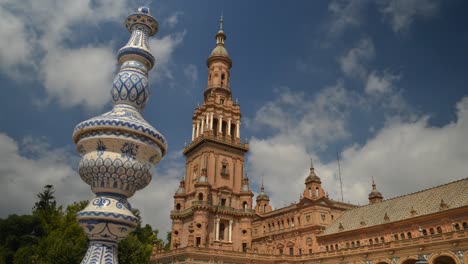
(118, 148)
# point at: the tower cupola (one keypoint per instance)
(220, 52)
(313, 184)
(263, 202)
(375, 196)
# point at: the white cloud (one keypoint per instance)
(71, 75)
(156, 200)
(402, 13)
(296, 118)
(406, 155)
(80, 76)
(380, 83)
(191, 72)
(353, 63)
(344, 15)
(28, 166)
(162, 49)
(15, 49)
(173, 19)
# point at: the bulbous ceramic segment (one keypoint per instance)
(107, 219)
(130, 85)
(122, 121)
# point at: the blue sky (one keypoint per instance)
(383, 83)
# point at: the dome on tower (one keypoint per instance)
(262, 195)
(312, 176)
(219, 50)
(375, 196)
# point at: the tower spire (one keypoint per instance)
(221, 22)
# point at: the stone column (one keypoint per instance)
(217, 229)
(198, 129)
(220, 124)
(229, 127)
(108, 218)
(238, 128)
(230, 231)
(211, 121)
(193, 131)
(207, 120)
(202, 125)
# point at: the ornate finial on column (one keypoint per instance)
(119, 148)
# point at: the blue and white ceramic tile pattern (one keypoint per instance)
(118, 148)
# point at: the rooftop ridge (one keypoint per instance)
(416, 192)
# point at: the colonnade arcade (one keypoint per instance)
(217, 126)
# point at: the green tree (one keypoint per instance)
(67, 242)
(17, 232)
(167, 246)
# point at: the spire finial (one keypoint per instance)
(221, 20)
(311, 163)
(262, 189)
(374, 187)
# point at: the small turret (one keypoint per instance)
(313, 184)
(375, 196)
(263, 202)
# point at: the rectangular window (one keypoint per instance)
(244, 247)
(198, 243)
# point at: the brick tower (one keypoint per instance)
(213, 205)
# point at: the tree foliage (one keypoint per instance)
(52, 235)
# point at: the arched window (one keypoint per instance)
(376, 240)
(395, 236)
(178, 207)
(431, 230)
(200, 197)
(382, 239)
(457, 226)
(264, 208)
(409, 235)
(371, 242)
(222, 79)
(310, 192)
(316, 191)
(402, 235)
(439, 229)
(244, 205)
(424, 232)
(336, 246)
(465, 225)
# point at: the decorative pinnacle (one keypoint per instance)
(221, 22)
(311, 164)
(374, 187)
